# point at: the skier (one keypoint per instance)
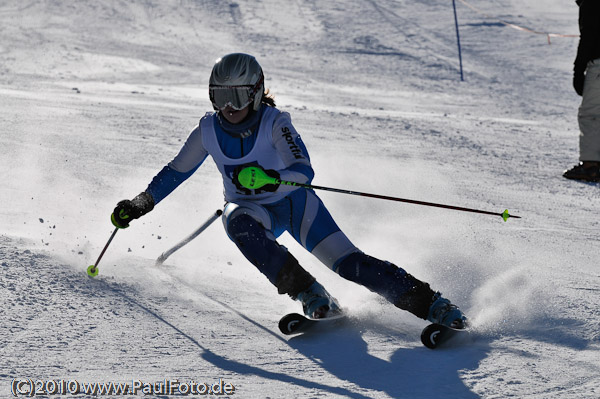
(247, 129)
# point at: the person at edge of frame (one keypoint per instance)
(586, 82)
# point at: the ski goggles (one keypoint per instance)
(238, 97)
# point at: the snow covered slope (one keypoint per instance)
(95, 97)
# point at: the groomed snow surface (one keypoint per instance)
(96, 97)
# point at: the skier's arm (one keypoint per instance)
(293, 152)
(168, 179)
(190, 157)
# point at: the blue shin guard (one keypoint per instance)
(388, 280)
(272, 259)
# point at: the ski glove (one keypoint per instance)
(127, 210)
(267, 187)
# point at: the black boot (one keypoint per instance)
(585, 171)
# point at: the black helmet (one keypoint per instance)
(236, 80)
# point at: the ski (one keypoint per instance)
(432, 336)
(295, 323)
(435, 335)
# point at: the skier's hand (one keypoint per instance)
(127, 210)
(266, 187)
(578, 81)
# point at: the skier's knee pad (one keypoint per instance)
(388, 280)
(257, 212)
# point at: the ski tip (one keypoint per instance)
(92, 271)
(291, 322)
(435, 335)
(295, 323)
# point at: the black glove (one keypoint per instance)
(267, 187)
(127, 210)
(578, 81)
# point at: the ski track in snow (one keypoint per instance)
(96, 97)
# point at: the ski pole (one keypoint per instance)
(253, 178)
(92, 270)
(189, 238)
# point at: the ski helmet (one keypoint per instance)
(236, 80)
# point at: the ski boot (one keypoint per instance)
(317, 303)
(443, 312)
(586, 171)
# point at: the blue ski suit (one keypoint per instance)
(253, 219)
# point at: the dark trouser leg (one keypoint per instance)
(272, 259)
(388, 280)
